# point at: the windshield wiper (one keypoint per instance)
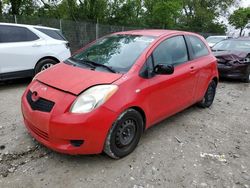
(218, 50)
(75, 62)
(94, 64)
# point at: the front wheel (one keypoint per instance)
(124, 134)
(208, 99)
(247, 79)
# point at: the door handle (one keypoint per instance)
(192, 69)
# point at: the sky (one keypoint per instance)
(245, 3)
(230, 29)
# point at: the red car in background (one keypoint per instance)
(109, 92)
(233, 57)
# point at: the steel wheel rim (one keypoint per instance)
(46, 66)
(125, 133)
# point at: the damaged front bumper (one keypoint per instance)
(239, 71)
(234, 65)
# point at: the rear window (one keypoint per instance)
(55, 34)
(16, 34)
(198, 47)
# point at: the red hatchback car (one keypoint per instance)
(109, 92)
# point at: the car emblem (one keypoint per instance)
(34, 96)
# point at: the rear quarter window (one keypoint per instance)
(55, 34)
(198, 47)
(16, 34)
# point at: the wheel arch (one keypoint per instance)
(141, 111)
(216, 80)
(47, 57)
(205, 86)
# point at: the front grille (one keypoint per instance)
(41, 104)
(38, 132)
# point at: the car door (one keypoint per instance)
(171, 93)
(199, 55)
(19, 48)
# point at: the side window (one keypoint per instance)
(172, 51)
(16, 34)
(198, 46)
(55, 34)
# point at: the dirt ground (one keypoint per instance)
(195, 148)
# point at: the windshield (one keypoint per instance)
(215, 39)
(118, 52)
(228, 45)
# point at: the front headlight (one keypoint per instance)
(93, 98)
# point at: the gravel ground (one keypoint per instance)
(195, 148)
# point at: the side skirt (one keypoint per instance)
(17, 74)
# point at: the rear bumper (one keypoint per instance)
(64, 55)
(57, 130)
(235, 72)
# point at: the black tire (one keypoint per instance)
(44, 64)
(124, 134)
(208, 99)
(247, 79)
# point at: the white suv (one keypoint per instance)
(26, 50)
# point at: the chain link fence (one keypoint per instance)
(77, 33)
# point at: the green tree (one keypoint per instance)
(240, 18)
(202, 15)
(165, 13)
(162, 13)
(93, 9)
(74, 9)
(15, 6)
(49, 8)
(1, 8)
(128, 12)
(193, 15)
(19, 7)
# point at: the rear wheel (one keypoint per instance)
(44, 64)
(208, 99)
(124, 134)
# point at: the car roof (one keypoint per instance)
(243, 38)
(151, 32)
(25, 25)
(240, 39)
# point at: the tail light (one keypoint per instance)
(67, 45)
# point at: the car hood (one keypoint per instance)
(235, 53)
(74, 79)
(232, 57)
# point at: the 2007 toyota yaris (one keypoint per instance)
(109, 92)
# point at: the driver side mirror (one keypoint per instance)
(164, 69)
